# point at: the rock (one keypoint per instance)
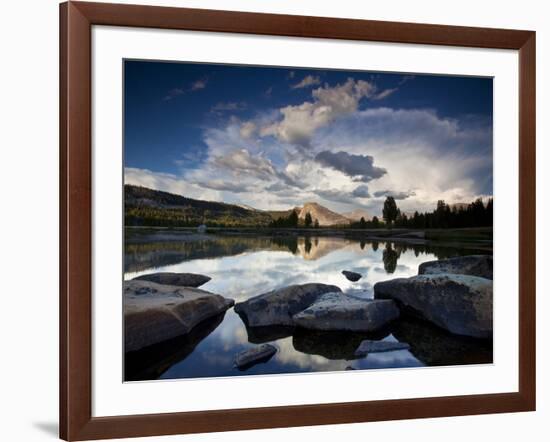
(336, 311)
(154, 312)
(255, 355)
(475, 265)
(352, 276)
(179, 279)
(461, 304)
(368, 346)
(279, 306)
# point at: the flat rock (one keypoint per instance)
(154, 312)
(336, 311)
(177, 279)
(475, 265)
(460, 304)
(279, 306)
(352, 276)
(368, 346)
(255, 355)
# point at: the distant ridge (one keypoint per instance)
(357, 214)
(148, 207)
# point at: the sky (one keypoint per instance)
(277, 137)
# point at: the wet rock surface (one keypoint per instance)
(460, 304)
(336, 311)
(154, 312)
(279, 306)
(474, 265)
(255, 355)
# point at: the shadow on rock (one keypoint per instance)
(151, 362)
(435, 347)
(260, 335)
(334, 345)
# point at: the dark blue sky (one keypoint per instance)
(181, 118)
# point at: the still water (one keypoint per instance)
(242, 266)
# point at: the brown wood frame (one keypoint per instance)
(76, 20)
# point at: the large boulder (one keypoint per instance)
(475, 265)
(179, 279)
(279, 306)
(336, 311)
(461, 304)
(154, 312)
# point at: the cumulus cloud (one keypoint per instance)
(240, 162)
(396, 195)
(359, 167)
(440, 158)
(299, 122)
(248, 130)
(307, 81)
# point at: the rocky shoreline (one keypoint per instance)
(454, 295)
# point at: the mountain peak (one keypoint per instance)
(326, 217)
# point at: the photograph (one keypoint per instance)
(290, 220)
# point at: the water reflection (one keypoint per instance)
(242, 266)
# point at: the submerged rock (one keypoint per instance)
(351, 276)
(368, 346)
(154, 312)
(255, 355)
(461, 304)
(475, 265)
(279, 306)
(336, 311)
(178, 279)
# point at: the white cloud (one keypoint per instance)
(384, 94)
(299, 122)
(199, 84)
(307, 81)
(325, 150)
(248, 130)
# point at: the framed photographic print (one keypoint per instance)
(273, 220)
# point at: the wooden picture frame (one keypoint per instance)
(76, 21)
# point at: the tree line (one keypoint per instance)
(475, 214)
(292, 220)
